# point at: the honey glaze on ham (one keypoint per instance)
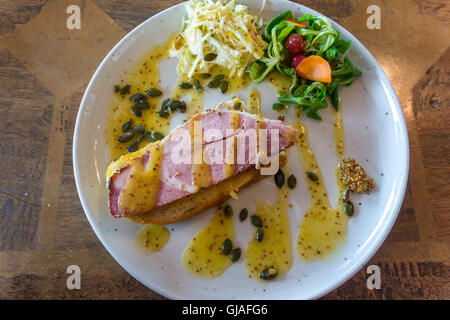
(148, 178)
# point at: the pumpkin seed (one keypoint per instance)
(116, 88)
(137, 97)
(228, 211)
(132, 147)
(312, 176)
(127, 136)
(173, 105)
(162, 113)
(224, 86)
(237, 105)
(197, 85)
(268, 273)
(243, 214)
(292, 181)
(136, 110)
(182, 107)
(259, 234)
(139, 137)
(227, 246)
(349, 209)
(157, 135)
(127, 125)
(210, 56)
(153, 92)
(148, 136)
(138, 129)
(185, 85)
(143, 105)
(205, 75)
(346, 195)
(256, 221)
(219, 77)
(278, 106)
(279, 178)
(125, 89)
(235, 254)
(213, 84)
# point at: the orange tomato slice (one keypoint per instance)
(314, 68)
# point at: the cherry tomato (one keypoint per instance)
(294, 44)
(296, 60)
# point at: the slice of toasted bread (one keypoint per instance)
(204, 199)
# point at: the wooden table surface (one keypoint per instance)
(44, 70)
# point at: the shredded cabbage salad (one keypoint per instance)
(226, 33)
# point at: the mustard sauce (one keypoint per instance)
(203, 255)
(152, 237)
(323, 228)
(275, 248)
(231, 145)
(253, 101)
(141, 188)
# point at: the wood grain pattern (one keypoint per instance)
(42, 226)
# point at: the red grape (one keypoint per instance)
(294, 44)
(296, 60)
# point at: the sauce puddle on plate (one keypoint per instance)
(203, 255)
(323, 228)
(152, 237)
(274, 250)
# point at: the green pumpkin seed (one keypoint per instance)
(185, 85)
(223, 87)
(182, 107)
(349, 209)
(312, 176)
(235, 254)
(157, 135)
(279, 178)
(116, 88)
(127, 125)
(197, 85)
(259, 234)
(125, 89)
(346, 195)
(143, 105)
(162, 113)
(213, 84)
(219, 77)
(148, 136)
(243, 214)
(237, 105)
(136, 110)
(173, 105)
(292, 181)
(132, 147)
(139, 137)
(256, 221)
(268, 273)
(137, 97)
(127, 136)
(227, 246)
(138, 129)
(210, 56)
(278, 106)
(228, 211)
(204, 75)
(153, 92)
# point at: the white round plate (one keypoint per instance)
(375, 135)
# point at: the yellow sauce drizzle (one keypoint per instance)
(140, 191)
(322, 228)
(253, 101)
(152, 237)
(275, 248)
(144, 76)
(228, 168)
(201, 176)
(203, 255)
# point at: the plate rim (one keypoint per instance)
(375, 243)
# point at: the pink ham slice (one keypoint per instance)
(176, 180)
